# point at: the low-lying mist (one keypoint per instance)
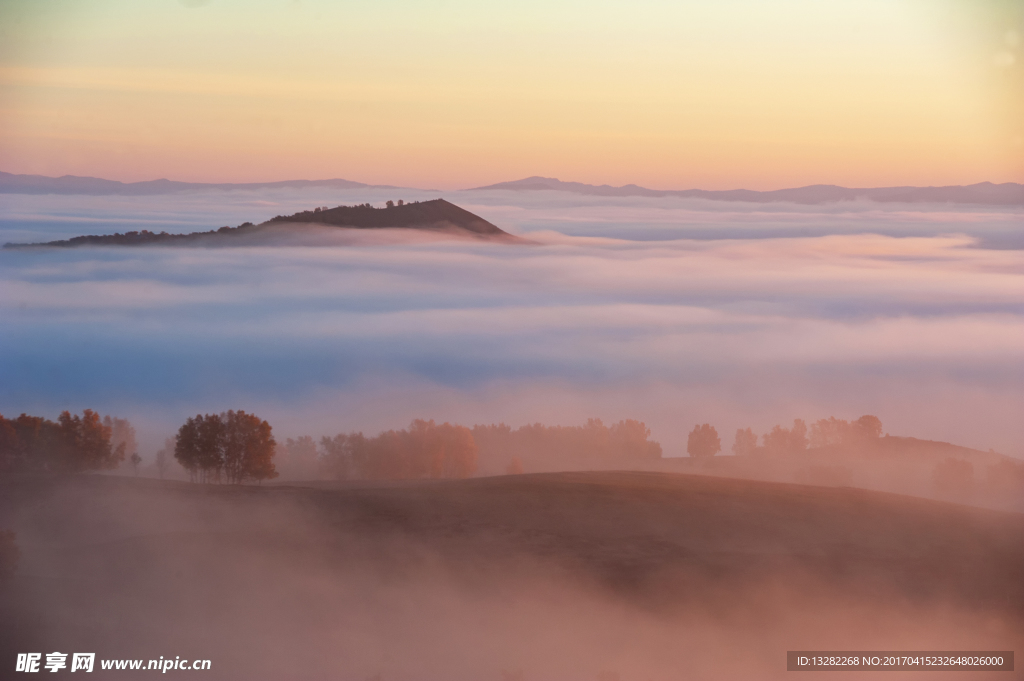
(592, 577)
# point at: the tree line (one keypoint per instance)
(537, 447)
(71, 444)
(430, 450)
(424, 450)
(830, 433)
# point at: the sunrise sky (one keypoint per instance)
(458, 93)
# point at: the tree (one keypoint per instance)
(515, 467)
(33, 444)
(786, 441)
(122, 438)
(832, 432)
(85, 443)
(336, 455)
(238, 445)
(703, 441)
(868, 427)
(629, 438)
(297, 459)
(163, 457)
(745, 443)
(135, 460)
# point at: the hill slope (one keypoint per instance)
(436, 216)
(566, 576)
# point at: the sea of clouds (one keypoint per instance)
(671, 311)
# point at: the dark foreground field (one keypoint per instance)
(590, 576)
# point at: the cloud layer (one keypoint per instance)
(671, 311)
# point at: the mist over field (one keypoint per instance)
(671, 311)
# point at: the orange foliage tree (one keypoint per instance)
(235, 445)
(33, 444)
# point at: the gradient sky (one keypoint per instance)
(454, 93)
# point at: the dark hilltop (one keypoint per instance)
(437, 216)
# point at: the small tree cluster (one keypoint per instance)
(425, 450)
(72, 444)
(830, 432)
(703, 441)
(837, 432)
(122, 440)
(234, 446)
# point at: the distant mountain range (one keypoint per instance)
(435, 216)
(73, 184)
(986, 193)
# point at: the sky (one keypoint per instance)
(671, 311)
(451, 94)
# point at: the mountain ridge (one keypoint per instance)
(981, 193)
(76, 184)
(985, 193)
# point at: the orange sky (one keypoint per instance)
(739, 93)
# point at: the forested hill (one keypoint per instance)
(434, 214)
(437, 215)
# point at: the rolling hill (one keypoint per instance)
(555, 576)
(437, 216)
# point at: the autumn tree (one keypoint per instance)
(868, 428)
(424, 450)
(197, 447)
(163, 457)
(297, 458)
(337, 455)
(541, 447)
(237, 445)
(33, 444)
(122, 440)
(703, 441)
(745, 442)
(786, 440)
